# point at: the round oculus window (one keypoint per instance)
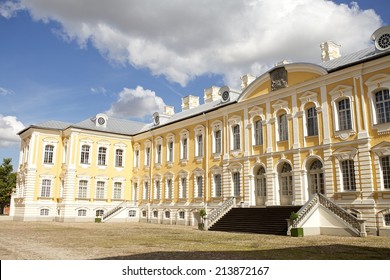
(384, 41)
(101, 121)
(225, 96)
(156, 120)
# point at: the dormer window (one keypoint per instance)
(101, 120)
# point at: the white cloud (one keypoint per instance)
(189, 38)
(99, 90)
(138, 103)
(8, 9)
(4, 91)
(9, 127)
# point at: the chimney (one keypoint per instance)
(330, 50)
(211, 94)
(169, 110)
(246, 80)
(189, 102)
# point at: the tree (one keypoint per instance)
(7, 183)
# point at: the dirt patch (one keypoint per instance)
(76, 241)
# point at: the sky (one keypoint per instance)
(70, 60)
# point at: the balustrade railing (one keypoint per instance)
(114, 210)
(356, 224)
(217, 213)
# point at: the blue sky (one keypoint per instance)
(69, 60)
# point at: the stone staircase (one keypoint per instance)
(267, 220)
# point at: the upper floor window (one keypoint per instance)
(344, 114)
(217, 141)
(168, 191)
(146, 190)
(199, 142)
(117, 190)
(100, 190)
(158, 153)
(119, 158)
(157, 194)
(382, 105)
(84, 158)
(217, 185)
(136, 158)
(147, 156)
(236, 137)
(83, 189)
(199, 185)
(49, 153)
(283, 127)
(46, 188)
(385, 162)
(348, 175)
(258, 133)
(311, 121)
(170, 151)
(102, 156)
(184, 148)
(183, 185)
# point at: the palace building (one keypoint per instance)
(301, 134)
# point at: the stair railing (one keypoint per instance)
(217, 213)
(358, 225)
(114, 210)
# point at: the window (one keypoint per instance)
(100, 189)
(158, 154)
(49, 152)
(218, 141)
(44, 212)
(385, 161)
(344, 114)
(136, 158)
(167, 214)
(199, 141)
(183, 182)
(132, 213)
(143, 213)
(170, 151)
(236, 184)
(117, 190)
(312, 123)
(184, 148)
(155, 214)
(46, 188)
(147, 156)
(181, 215)
(258, 133)
(199, 185)
(348, 173)
(83, 188)
(84, 158)
(102, 156)
(119, 158)
(99, 213)
(283, 127)
(236, 137)
(158, 190)
(286, 180)
(316, 178)
(261, 182)
(135, 191)
(217, 185)
(387, 219)
(146, 190)
(82, 213)
(169, 189)
(382, 105)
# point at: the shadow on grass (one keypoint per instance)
(327, 252)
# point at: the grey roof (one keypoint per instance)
(352, 58)
(53, 125)
(114, 125)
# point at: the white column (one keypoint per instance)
(325, 115)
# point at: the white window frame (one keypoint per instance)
(184, 138)
(159, 151)
(199, 146)
(148, 153)
(216, 170)
(375, 84)
(233, 122)
(102, 157)
(157, 187)
(343, 154)
(83, 159)
(381, 150)
(82, 190)
(46, 191)
(183, 190)
(81, 212)
(137, 155)
(48, 155)
(115, 195)
(99, 195)
(199, 191)
(217, 126)
(119, 163)
(146, 191)
(170, 150)
(44, 212)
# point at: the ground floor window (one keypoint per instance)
(99, 213)
(44, 212)
(132, 213)
(387, 219)
(261, 182)
(181, 215)
(385, 161)
(82, 213)
(348, 172)
(155, 214)
(167, 214)
(286, 180)
(236, 184)
(316, 178)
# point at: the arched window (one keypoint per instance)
(286, 180)
(261, 182)
(99, 213)
(316, 178)
(344, 114)
(382, 104)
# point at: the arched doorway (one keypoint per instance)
(261, 186)
(285, 184)
(316, 178)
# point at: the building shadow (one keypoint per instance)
(326, 252)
